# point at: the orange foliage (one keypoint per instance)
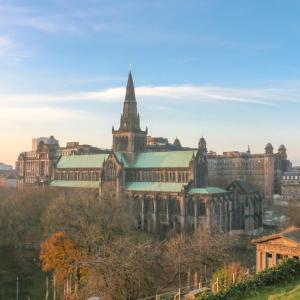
(61, 256)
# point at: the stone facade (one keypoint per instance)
(263, 171)
(168, 188)
(290, 186)
(272, 249)
(36, 167)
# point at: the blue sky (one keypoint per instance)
(228, 70)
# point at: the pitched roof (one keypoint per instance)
(175, 187)
(75, 184)
(245, 186)
(168, 159)
(291, 233)
(81, 161)
(207, 190)
(121, 158)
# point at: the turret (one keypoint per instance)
(177, 143)
(202, 145)
(282, 151)
(269, 149)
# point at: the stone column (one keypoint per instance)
(168, 213)
(226, 215)
(263, 260)
(258, 261)
(143, 213)
(154, 213)
(274, 259)
(195, 204)
(209, 207)
(182, 213)
(220, 215)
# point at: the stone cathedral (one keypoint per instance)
(168, 188)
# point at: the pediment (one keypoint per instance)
(283, 241)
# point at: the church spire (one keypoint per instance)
(130, 93)
(129, 138)
(130, 120)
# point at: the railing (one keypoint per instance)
(179, 293)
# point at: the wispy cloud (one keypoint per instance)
(186, 93)
(6, 45)
(43, 114)
(59, 19)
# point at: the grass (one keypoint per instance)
(289, 291)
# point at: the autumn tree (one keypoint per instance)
(64, 259)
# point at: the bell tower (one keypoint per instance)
(129, 138)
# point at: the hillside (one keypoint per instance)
(283, 292)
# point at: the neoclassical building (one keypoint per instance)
(167, 185)
(273, 249)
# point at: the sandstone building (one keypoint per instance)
(263, 171)
(272, 249)
(167, 183)
(290, 186)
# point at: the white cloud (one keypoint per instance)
(214, 94)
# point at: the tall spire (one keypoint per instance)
(130, 93)
(129, 138)
(130, 120)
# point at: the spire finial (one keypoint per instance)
(130, 67)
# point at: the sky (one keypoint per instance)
(228, 70)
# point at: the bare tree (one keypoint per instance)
(125, 269)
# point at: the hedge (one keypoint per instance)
(287, 271)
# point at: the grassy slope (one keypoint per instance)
(283, 292)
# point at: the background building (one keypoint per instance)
(290, 186)
(263, 171)
(36, 167)
(8, 176)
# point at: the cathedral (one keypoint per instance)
(168, 188)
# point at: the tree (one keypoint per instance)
(125, 269)
(86, 220)
(186, 254)
(20, 215)
(64, 259)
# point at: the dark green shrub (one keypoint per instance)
(287, 271)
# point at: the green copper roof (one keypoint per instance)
(170, 159)
(207, 190)
(81, 161)
(121, 158)
(75, 184)
(155, 186)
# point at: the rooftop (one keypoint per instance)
(81, 161)
(168, 159)
(75, 184)
(155, 186)
(207, 190)
(291, 233)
